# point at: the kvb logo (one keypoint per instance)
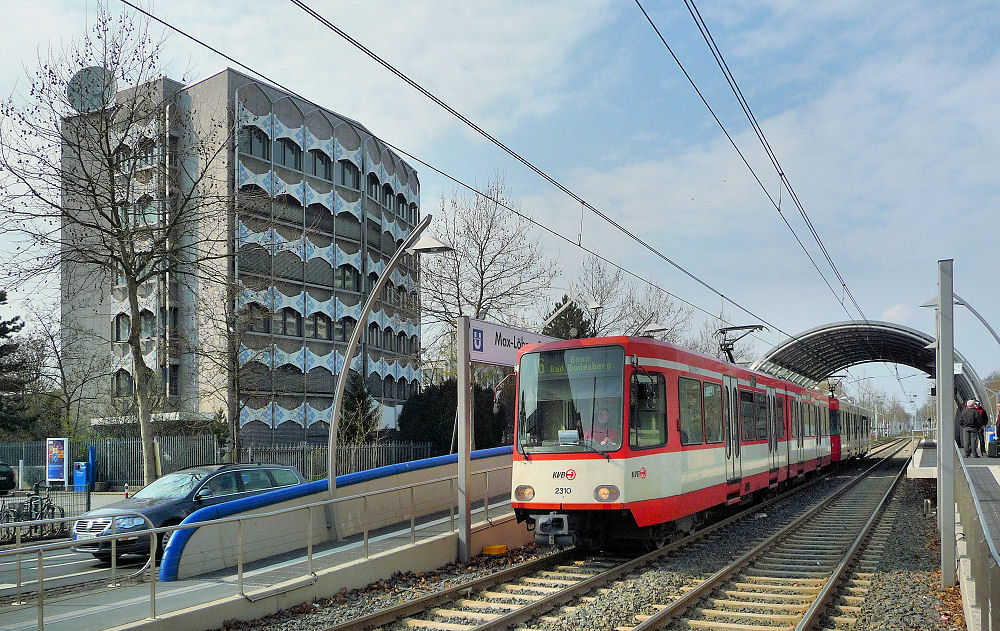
(568, 474)
(641, 473)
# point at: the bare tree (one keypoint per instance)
(625, 309)
(497, 269)
(72, 383)
(112, 188)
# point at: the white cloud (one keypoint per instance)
(899, 314)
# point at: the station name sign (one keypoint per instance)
(497, 344)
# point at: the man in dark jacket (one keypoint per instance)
(983, 421)
(968, 419)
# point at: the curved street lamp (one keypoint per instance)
(414, 244)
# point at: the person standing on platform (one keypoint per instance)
(984, 420)
(968, 419)
(981, 423)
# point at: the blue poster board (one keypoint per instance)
(56, 455)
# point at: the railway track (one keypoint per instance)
(559, 584)
(799, 577)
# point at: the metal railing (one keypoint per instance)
(983, 557)
(150, 567)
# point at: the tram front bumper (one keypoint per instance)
(552, 528)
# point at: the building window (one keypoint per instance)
(146, 153)
(346, 277)
(318, 326)
(387, 197)
(287, 153)
(374, 189)
(401, 206)
(144, 211)
(348, 175)
(389, 339)
(318, 164)
(413, 213)
(121, 384)
(344, 329)
(173, 380)
(121, 327)
(254, 142)
(374, 335)
(258, 319)
(401, 343)
(147, 325)
(288, 321)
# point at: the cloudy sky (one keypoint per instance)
(883, 116)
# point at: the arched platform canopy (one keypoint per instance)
(813, 355)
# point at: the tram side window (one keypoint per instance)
(748, 426)
(794, 418)
(691, 425)
(825, 414)
(713, 412)
(779, 416)
(648, 411)
(760, 403)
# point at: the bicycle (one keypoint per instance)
(42, 507)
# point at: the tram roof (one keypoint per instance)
(811, 356)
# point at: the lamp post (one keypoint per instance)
(592, 304)
(414, 244)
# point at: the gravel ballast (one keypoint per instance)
(904, 593)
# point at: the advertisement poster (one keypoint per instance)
(56, 453)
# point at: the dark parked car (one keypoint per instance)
(168, 500)
(7, 481)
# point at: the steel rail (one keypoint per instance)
(667, 614)
(536, 608)
(812, 615)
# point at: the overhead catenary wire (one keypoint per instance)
(499, 202)
(444, 174)
(720, 60)
(517, 156)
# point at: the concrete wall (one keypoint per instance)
(424, 556)
(209, 548)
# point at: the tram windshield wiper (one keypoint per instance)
(583, 443)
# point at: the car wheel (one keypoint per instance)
(164, 540)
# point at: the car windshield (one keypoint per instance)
(171, 486)
(571, 400)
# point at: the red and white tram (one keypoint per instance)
(630, 438)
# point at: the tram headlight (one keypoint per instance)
(606, 493)
(524, 493)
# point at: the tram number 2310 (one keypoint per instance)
(563, 490)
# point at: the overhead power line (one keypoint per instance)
(476, 191)
(452, 178)
(517, 156)
(747, 110)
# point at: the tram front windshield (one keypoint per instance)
(571, 400)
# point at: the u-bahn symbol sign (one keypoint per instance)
(497, 344)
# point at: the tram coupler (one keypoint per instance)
(553, 529)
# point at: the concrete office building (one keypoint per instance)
(315, 207)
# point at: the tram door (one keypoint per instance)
(781, 423)
(734, 471)
(772, 431)
(795, 408)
